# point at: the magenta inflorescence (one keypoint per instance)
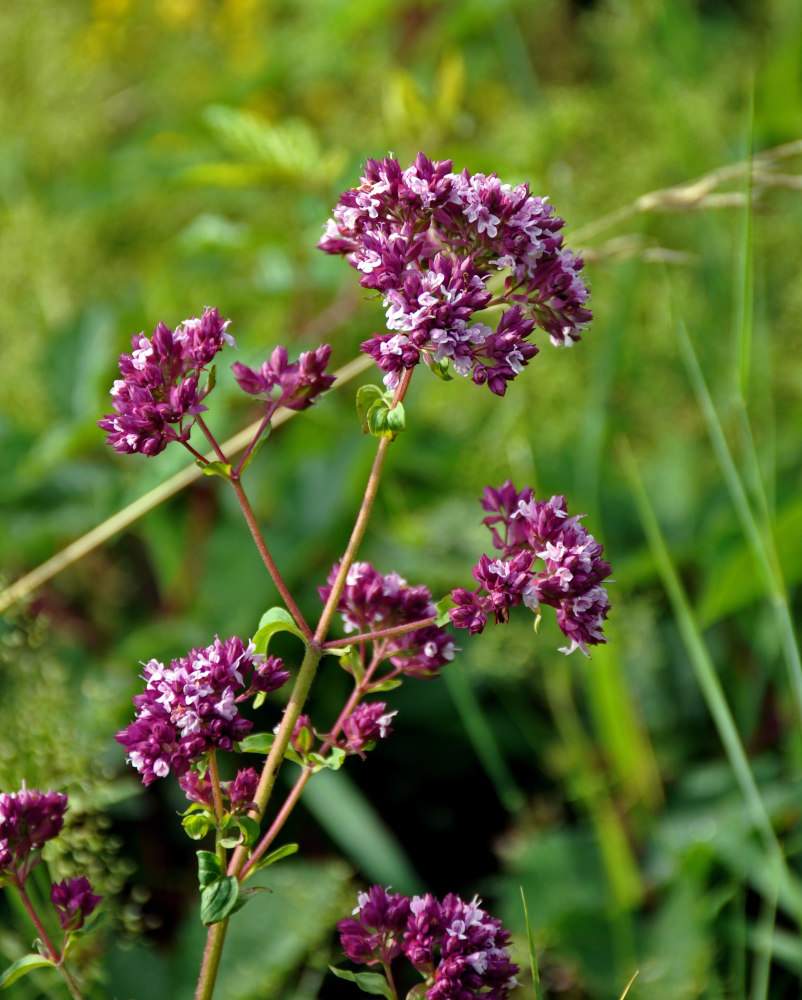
(190, 707)
(28, 819)
(371, 601)
(73, 901)
(527, 530)
(278, 382)
(430, 241)
(459, 949)
(159, 393)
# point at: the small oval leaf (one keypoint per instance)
(218, 899)
(209, 868)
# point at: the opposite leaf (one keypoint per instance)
(209, 868)
(218, 899)
(272, 621)
(22, 966)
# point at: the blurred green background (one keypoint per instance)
(163, 155)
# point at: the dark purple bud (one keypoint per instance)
(74, 901)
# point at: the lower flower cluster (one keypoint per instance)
(459, 949)
(525, 530)
(190, 707)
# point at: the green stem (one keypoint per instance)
(306, 674)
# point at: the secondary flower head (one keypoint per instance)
(28, 819)
(377, 932)
(435, 245)
(459, 949)
(159, 393)
(190, 707)
(570, 579)
(280, 383)
(371, 602)
(74, 901)
(367, 724)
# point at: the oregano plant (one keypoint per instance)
(467, 269)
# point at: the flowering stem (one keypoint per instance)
(53, 955)
(388, 972)
(278, 822)
(303, 682)
(211, 439)
(381, 634)
(267, 559)
(217, 797)
(247, 454)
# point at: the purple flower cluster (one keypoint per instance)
(190, 707)
(74, 901)
(239, 792)
(159, 391)
(371, 602)
(28, 819)
(429, 241)
(525, 530)
(280, 383)
(367, 724)
(459, 949)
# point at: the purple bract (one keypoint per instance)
(280, 383)
(74, 901)
(429, 241)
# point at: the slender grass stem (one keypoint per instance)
(788, 887)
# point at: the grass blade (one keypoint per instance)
(530, 938)
(712, 691)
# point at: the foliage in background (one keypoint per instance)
(163, 155)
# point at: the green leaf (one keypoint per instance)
(274, 856)
(22, 966)
(221, 469)
(334, 761)
(209, 868)
(368, 982)
(248, 831)
(366, 397)
(388, 685)
(443, 606)
(218, 899)
(440, 368)
(272, 621)
(386, 422)
(196, 826)
(257, 743)
(211, 379)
